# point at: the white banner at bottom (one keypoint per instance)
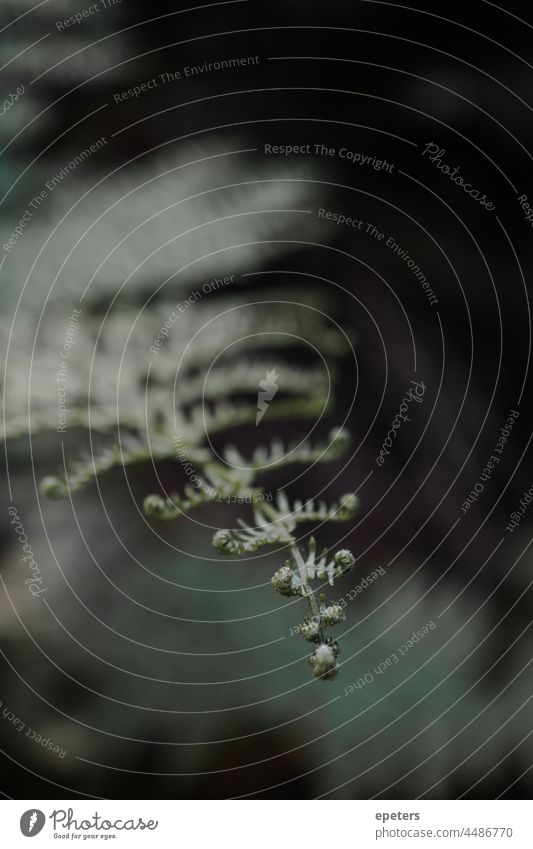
(262, 824)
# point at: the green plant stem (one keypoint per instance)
(298, 559)
(272, 514)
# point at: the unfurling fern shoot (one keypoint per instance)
(149, 429)
(275, 523)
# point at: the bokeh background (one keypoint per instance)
(163, 670)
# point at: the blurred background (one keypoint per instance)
(159, 669)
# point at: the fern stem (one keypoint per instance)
(275, 516)
(298, 559)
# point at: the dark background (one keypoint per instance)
(152, 712)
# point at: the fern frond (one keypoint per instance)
(230, 379)
(246, 539)
(225, 416)
(220, 476)
(174, 505)
(278, 454)
(308, 511)
(83, 471)
(323, 569)
(212, 487)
